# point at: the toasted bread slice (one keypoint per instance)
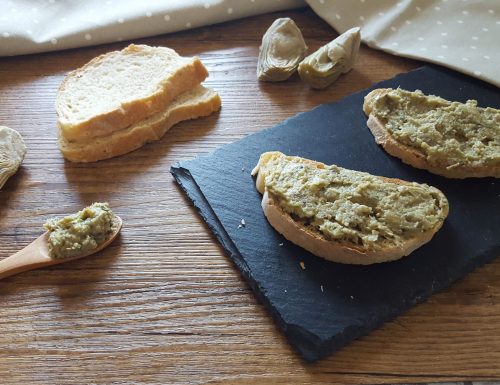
(347, 216)
(452, 139)
(121, 88)
(197, 102)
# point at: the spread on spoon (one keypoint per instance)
(80, 233)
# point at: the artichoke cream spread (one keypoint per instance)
(449, 134)
(80, 233)
(351, 206)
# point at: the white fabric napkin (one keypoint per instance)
(460, 34)
(31, 26)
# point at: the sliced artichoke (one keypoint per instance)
(323, 67)
(282, 49)
(12, 151)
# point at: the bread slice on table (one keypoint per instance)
(192, 104)
(347, 216)
(121, 88)
(452, 139)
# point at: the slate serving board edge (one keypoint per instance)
(187, 183)
(309, 344)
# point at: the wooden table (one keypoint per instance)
(164, 304)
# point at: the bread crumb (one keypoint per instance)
(281, 244)
(321, 287)
(242, 169)
(352, 297)
(302, 265)
(285, 290)
(242, 224)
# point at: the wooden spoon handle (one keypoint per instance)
(33, 256)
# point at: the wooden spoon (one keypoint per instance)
(36, 254)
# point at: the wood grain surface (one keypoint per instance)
(163, 304)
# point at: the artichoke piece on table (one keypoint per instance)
(323, 67)
(12, 151)
(282, 49)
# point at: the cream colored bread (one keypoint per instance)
(470, 134)
(288, 210)
(121, 88)
(192, 104)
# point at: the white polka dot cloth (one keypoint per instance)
(32, 26)
(460, 34)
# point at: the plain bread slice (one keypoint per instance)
(195, 103)
(121, 88)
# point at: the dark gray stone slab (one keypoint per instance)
(326, 305)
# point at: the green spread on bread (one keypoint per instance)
(449, 134)
(350, 206)
(80, 233)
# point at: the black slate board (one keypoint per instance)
(327, 305)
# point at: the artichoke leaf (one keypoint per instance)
(323, 67)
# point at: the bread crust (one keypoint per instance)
(413, 156)
(204, 103)
(130, 112)
(330, 250)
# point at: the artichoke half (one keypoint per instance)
(282, 49)
(323, 67)
(12, 151)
